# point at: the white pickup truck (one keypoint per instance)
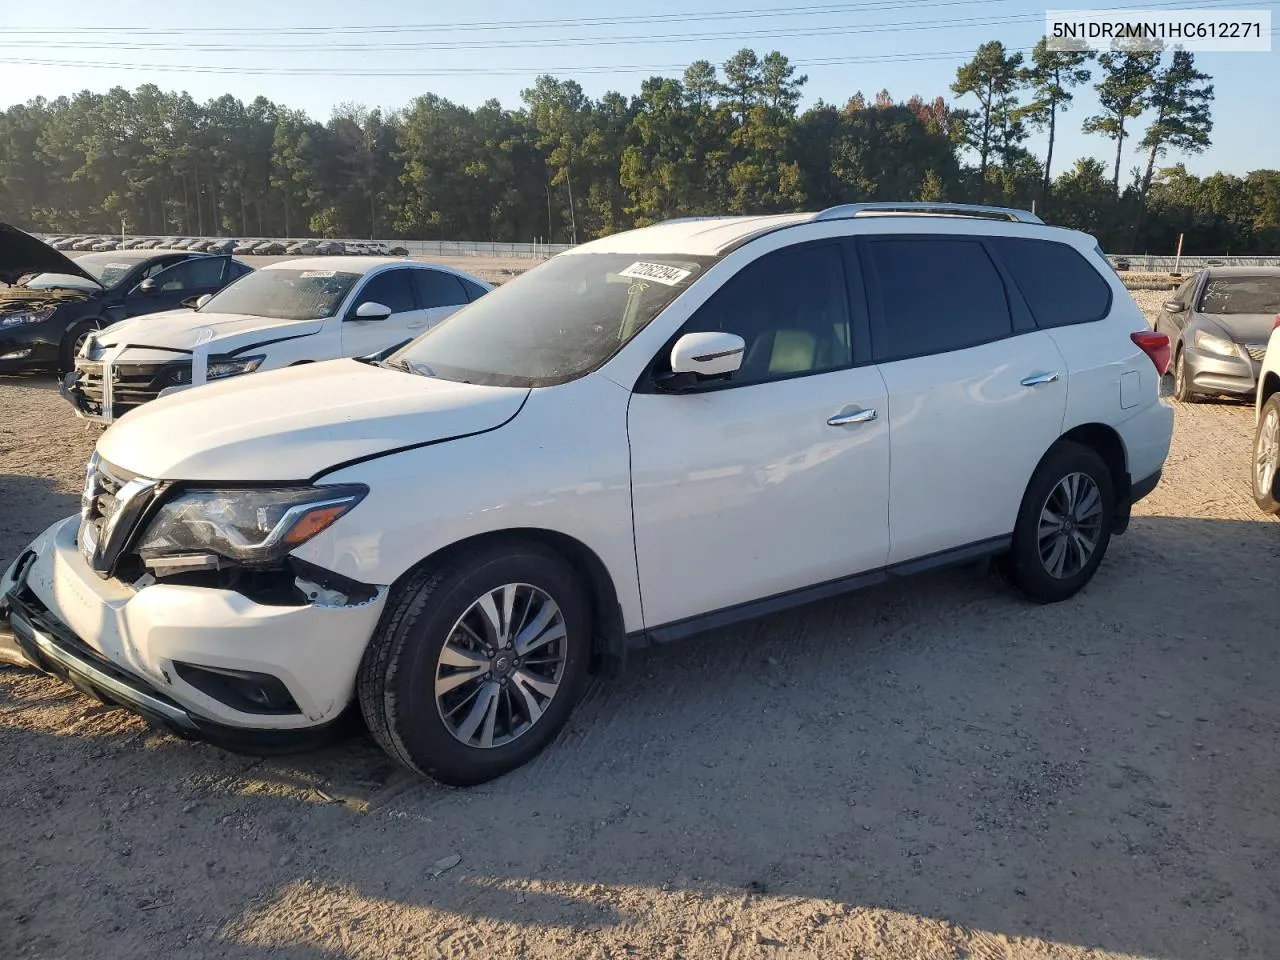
(290, 312)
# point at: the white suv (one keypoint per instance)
(649, 435)
(1266, 438)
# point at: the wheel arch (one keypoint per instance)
(1106, 441)
(1270, 385)
(609, 641)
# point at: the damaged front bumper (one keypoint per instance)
(108, 382)
(191, 659)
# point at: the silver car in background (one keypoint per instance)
(1218, 323)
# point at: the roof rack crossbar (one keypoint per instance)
(847, 210)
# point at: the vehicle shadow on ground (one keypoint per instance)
(1098, 773)
(29, 505)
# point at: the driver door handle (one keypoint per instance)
(855, 416)
(1039, 378)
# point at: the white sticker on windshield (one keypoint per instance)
(308, 274)
(118, 266)
(657, 272)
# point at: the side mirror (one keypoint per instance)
(1175, 306)
(203, 299)
(699, 355)
(148, 285)
(369, 310)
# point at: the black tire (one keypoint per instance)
(71, 344)
(397, 676)
(1268, 430)
(1182, 391)
(1025, 565)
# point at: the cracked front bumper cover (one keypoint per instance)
(50, 645)
(131, 646)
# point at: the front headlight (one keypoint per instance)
(218, 369)
(1210, 344)
(249, 526)
(30, 316)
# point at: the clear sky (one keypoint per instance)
(316, 53)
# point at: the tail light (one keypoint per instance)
(1155, 346)
(1276, 325)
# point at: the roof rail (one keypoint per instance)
(847, 210)
(663, 223)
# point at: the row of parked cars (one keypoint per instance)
(193, 310)
(331, 248)
(647, 436)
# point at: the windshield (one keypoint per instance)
(1241, 295)
(107, 268)
(555, 323)
(284, 294)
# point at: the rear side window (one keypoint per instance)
(1059, 285)
(474, 290)
(936, 294)
(438, 289)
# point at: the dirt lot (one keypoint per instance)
(933, 770)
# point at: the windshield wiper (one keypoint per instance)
(417, 369)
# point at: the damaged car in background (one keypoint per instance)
(53, 302)
(287, 313)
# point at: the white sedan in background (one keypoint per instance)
(294, 311)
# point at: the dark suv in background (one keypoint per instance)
(53, 301)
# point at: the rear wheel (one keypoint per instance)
(477, 663)
(1064, 524)
(1266, 456)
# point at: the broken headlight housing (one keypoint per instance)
(250, 526)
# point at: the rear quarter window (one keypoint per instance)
(1059, 285)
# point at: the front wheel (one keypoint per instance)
(1064, 524)
(477, 663)
(1182, 391)
(1266, 456)
(72, 341)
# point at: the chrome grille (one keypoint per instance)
(132, 384)
(1256, 351)
(111, 505)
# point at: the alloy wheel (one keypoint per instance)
(1266, 454)
(1070, 525)
(79, 343)
(501, 665)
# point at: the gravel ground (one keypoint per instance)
(930, 770)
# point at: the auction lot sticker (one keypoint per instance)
(657, 272)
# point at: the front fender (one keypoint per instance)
(562, 465)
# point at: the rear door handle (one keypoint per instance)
(1038, 379)
(856, 416)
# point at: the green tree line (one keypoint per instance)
(565, 167)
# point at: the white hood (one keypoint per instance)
(179, 329)
(294, 423)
